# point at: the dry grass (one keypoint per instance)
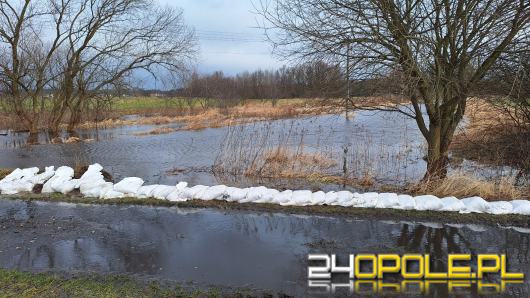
(463, 185)
(286, 163)
(490, 137)
(158, 131)
(4, 172)
(211, 117)
(272, 154)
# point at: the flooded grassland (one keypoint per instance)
(257, 248)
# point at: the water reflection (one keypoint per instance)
(240, 249)
(387, 144)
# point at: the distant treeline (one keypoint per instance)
(309, 80)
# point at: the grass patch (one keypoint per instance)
(21, 284)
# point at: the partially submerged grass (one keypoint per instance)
(493, 136)
(283, 162)
(158, 131)
(253, 111)
(464, 185)
(21, 284)
(368, 213)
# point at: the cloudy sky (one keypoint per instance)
(228, 37)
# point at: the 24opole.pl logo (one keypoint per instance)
(367, 273)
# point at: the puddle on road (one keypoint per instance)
(225, 248)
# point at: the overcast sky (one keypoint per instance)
(228, 37)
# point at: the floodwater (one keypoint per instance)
(386, 144)
(231, 249)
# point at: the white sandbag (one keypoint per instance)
(521, 207)
(344, 199)
(54, 184)
(214, 192)
(162, 191)
(499, 207)
(11, 188)
(267, 196)
(43, 177)
(475, 204)
(301, 197)
(129, 185)
(55, 180)
(193, 192)
(18, 181)
(283, 197)
(91, 179)
(254, 194)
(28, 174)
(181, 185)
(99, 191)
(387, 200)
(428, 202)
(87, 184)
(64, 171)
(66, 186)
(331, 198)
(452, 204)
(406, 202)
(16, 174)
(234, 194)
(145, 191)
(176, 196)
(369, 199)
(318, 198)
(8, 188)
(92, 170)
(5, 186)
(112, 194)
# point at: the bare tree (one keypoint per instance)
(25, 59)
(77, 49)
(440, 48)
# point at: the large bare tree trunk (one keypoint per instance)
(33, 137)
(437, 155)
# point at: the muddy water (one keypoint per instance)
(227, 248)
(388, 145)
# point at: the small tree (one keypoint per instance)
(440, 48)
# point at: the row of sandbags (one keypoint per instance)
(92, 184)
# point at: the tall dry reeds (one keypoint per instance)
(268, 151)
(463, 185)
(368, 162)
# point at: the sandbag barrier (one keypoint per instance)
(92, 184)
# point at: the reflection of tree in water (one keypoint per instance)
(438, 242)
(517, 246)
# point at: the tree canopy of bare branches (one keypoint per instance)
(58, 54)
(441, 49)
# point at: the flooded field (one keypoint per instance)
(383, 145)
(234, 249)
